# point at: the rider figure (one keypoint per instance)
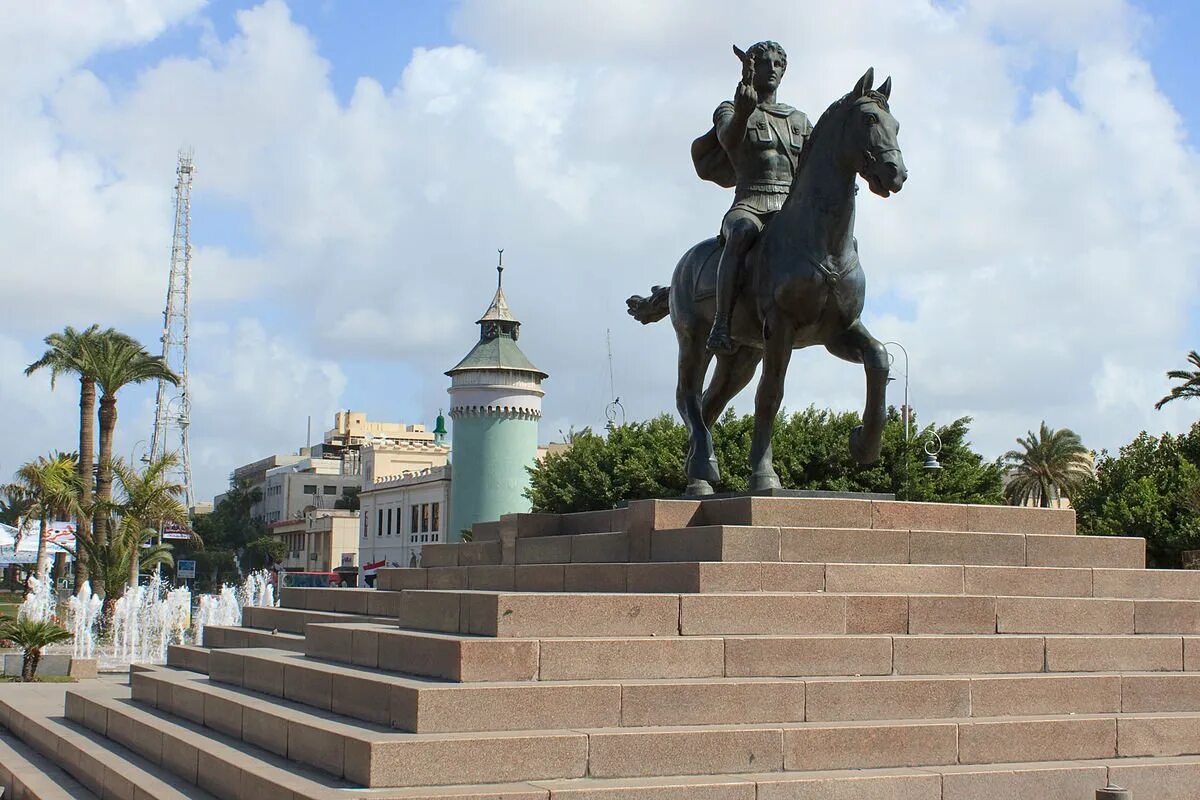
(754, 145)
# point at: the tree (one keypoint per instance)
(149, 500)
(111, 562)
(227, 531)
(31, 637)
(263, 553)
(67, 355)
(1050, 464)
(116, 361)
(1191, 381)
(1151, 489)
(49, 489)
(645, 459)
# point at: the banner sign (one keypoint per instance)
(185, 569)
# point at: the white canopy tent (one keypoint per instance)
(25, 551)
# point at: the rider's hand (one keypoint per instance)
(745, 99)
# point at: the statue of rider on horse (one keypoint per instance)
(784, 273)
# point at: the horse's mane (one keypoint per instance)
(819, 128)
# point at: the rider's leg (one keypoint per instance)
(740, 228)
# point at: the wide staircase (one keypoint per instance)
(747, 648)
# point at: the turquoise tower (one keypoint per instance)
(495, 403)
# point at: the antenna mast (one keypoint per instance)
(613, 410)
(172, 410)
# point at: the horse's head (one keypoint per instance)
(869, 136)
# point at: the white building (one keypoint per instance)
(400, 514)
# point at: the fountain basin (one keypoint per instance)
(51, 665)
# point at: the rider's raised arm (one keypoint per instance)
(730, 124)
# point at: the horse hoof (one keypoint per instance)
(704, 470)
(761, 482)
(698, 488)
(864, 452)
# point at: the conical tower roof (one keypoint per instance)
(498, 332)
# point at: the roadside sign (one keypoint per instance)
(173, 531)
(185, 569)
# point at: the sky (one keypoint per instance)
(359, 163)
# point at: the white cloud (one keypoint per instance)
(1045, 245)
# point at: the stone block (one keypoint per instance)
(544, 550)
(446, 578)
(1158, 779)
(538, 577)
(1114, 653)
(316, 745)
(394, 579)
(1158, 736)
(1019, 740)
(1065, 781)
(1143, 584)
(529, 707)
(889, 784)
(676, 787)
(1166, 616)
(715, 543)
(225, 666)
(712, 702)
(787, 656)
(519, 615)
(382, 603)
(761, 614)
(954, 547)
(143, 688)
(475, 553)
(585, 522)
(691, 751)
(694, 577)
(1017, 519)
(331, 642)
(1165, 692)
(847, 699)
(439, 555)
(310, 686)
(268, 731)
(353, 601)
(495, 578)
(370, 699)
(951, 614)
(262, 675)
(456, 659)
(223, 714)
(894, 578)
(293, 597)
(486, 531)
(467, 759)
(879, 613)
(869, 745)
(844, 546)
(789, 512)
(790, 577)
(521, 526)
(187, 701)
(1028, 581)
(364, 647)
(1085, 551)
(1022, 695)
(431, 611)
(600, 548)
(611, 659)
(1191, 653)
(948, 654)
(595, 577)
(897, 515)
(1063, 615)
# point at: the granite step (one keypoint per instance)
(293, 620)
(562, 614)
(365, 602)
(73, 761)
(234, 636)
(382, 759)
(424, 705)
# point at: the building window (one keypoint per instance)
(389, 522)
(424, 537)
(379, 530)
(424, 517)
(330, 490)
(433, 537)
(437, 517)
(414, 538)
(416, 523)
(310, 488)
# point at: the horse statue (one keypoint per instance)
(802, 285)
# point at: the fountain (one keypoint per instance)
(39, 604)
(83, 617)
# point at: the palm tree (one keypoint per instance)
(1051, 464)
(149, 499)
(50, 489)
(66, 355)
(111, 563)
(31, 637)
(1191, 381)
(116, 361)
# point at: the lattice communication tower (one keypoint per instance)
(172, 413)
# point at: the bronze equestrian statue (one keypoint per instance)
(801, 283)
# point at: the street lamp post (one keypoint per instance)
(904, 410)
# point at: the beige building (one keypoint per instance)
(321, 541)
(399, 515)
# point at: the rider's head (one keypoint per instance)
(770, 62)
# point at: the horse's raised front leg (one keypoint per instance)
(859, 346)
(701, 465)
(779, 338)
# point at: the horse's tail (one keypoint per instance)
(650, 309)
